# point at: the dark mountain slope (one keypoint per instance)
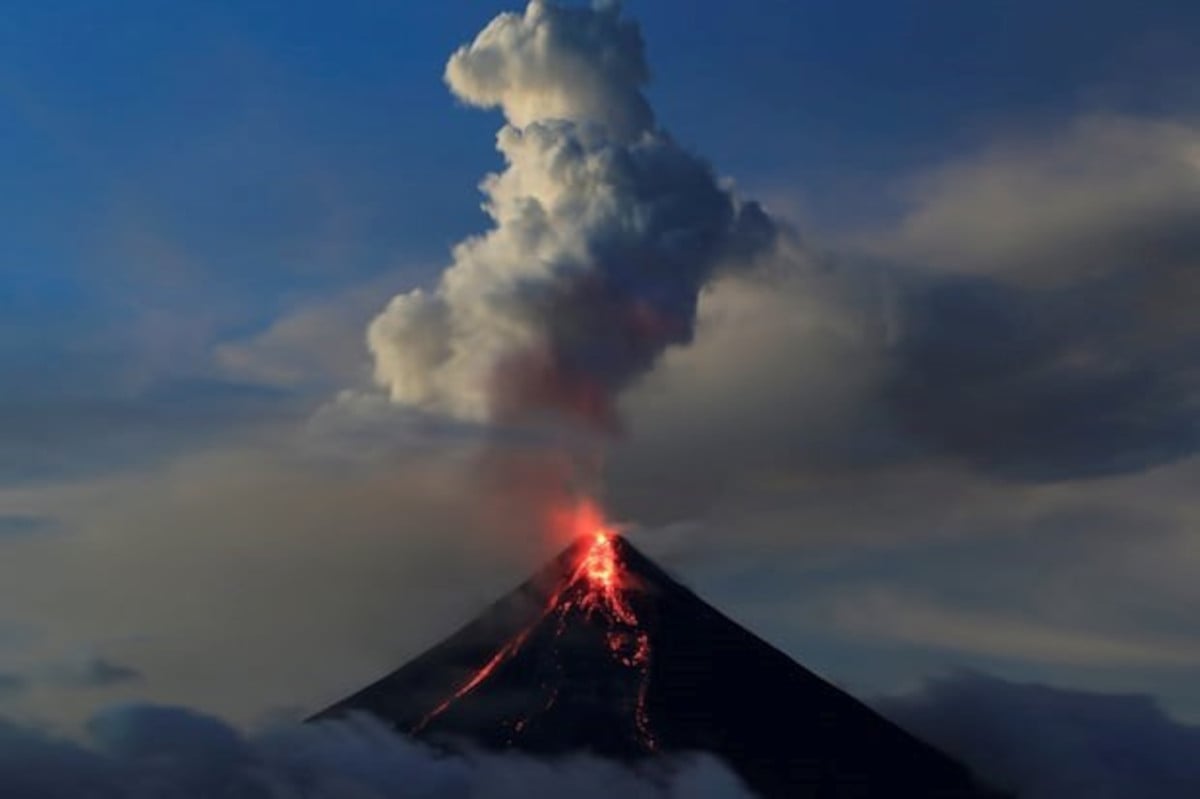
(549, 669)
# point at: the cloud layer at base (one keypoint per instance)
(1037, 741)
(1047, 743)
(139, 751)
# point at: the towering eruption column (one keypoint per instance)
(604, 233)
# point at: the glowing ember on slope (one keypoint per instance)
(597, 588)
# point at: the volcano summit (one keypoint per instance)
(603, 652)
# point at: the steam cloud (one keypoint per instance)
(605, 232)
(149, 751)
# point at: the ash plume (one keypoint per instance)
(605, 232)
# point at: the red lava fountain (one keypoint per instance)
(598, 590)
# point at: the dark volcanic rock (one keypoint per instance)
(710, 685)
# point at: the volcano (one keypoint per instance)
(603, 652)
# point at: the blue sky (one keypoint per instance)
(223, 161)
(205, 203)
(239, 135)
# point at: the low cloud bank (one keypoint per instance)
(1035, 741)
(1041, 742)
(173, 753)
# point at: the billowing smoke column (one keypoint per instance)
(605, 232)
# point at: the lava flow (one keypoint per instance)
(597, 588)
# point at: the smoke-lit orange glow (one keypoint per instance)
(600, 570)
(597, 587)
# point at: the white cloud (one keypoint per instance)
(1104, 193)
(555, 62)
(316, 345)
(881, 614)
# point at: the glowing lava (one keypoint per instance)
(598, 588)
